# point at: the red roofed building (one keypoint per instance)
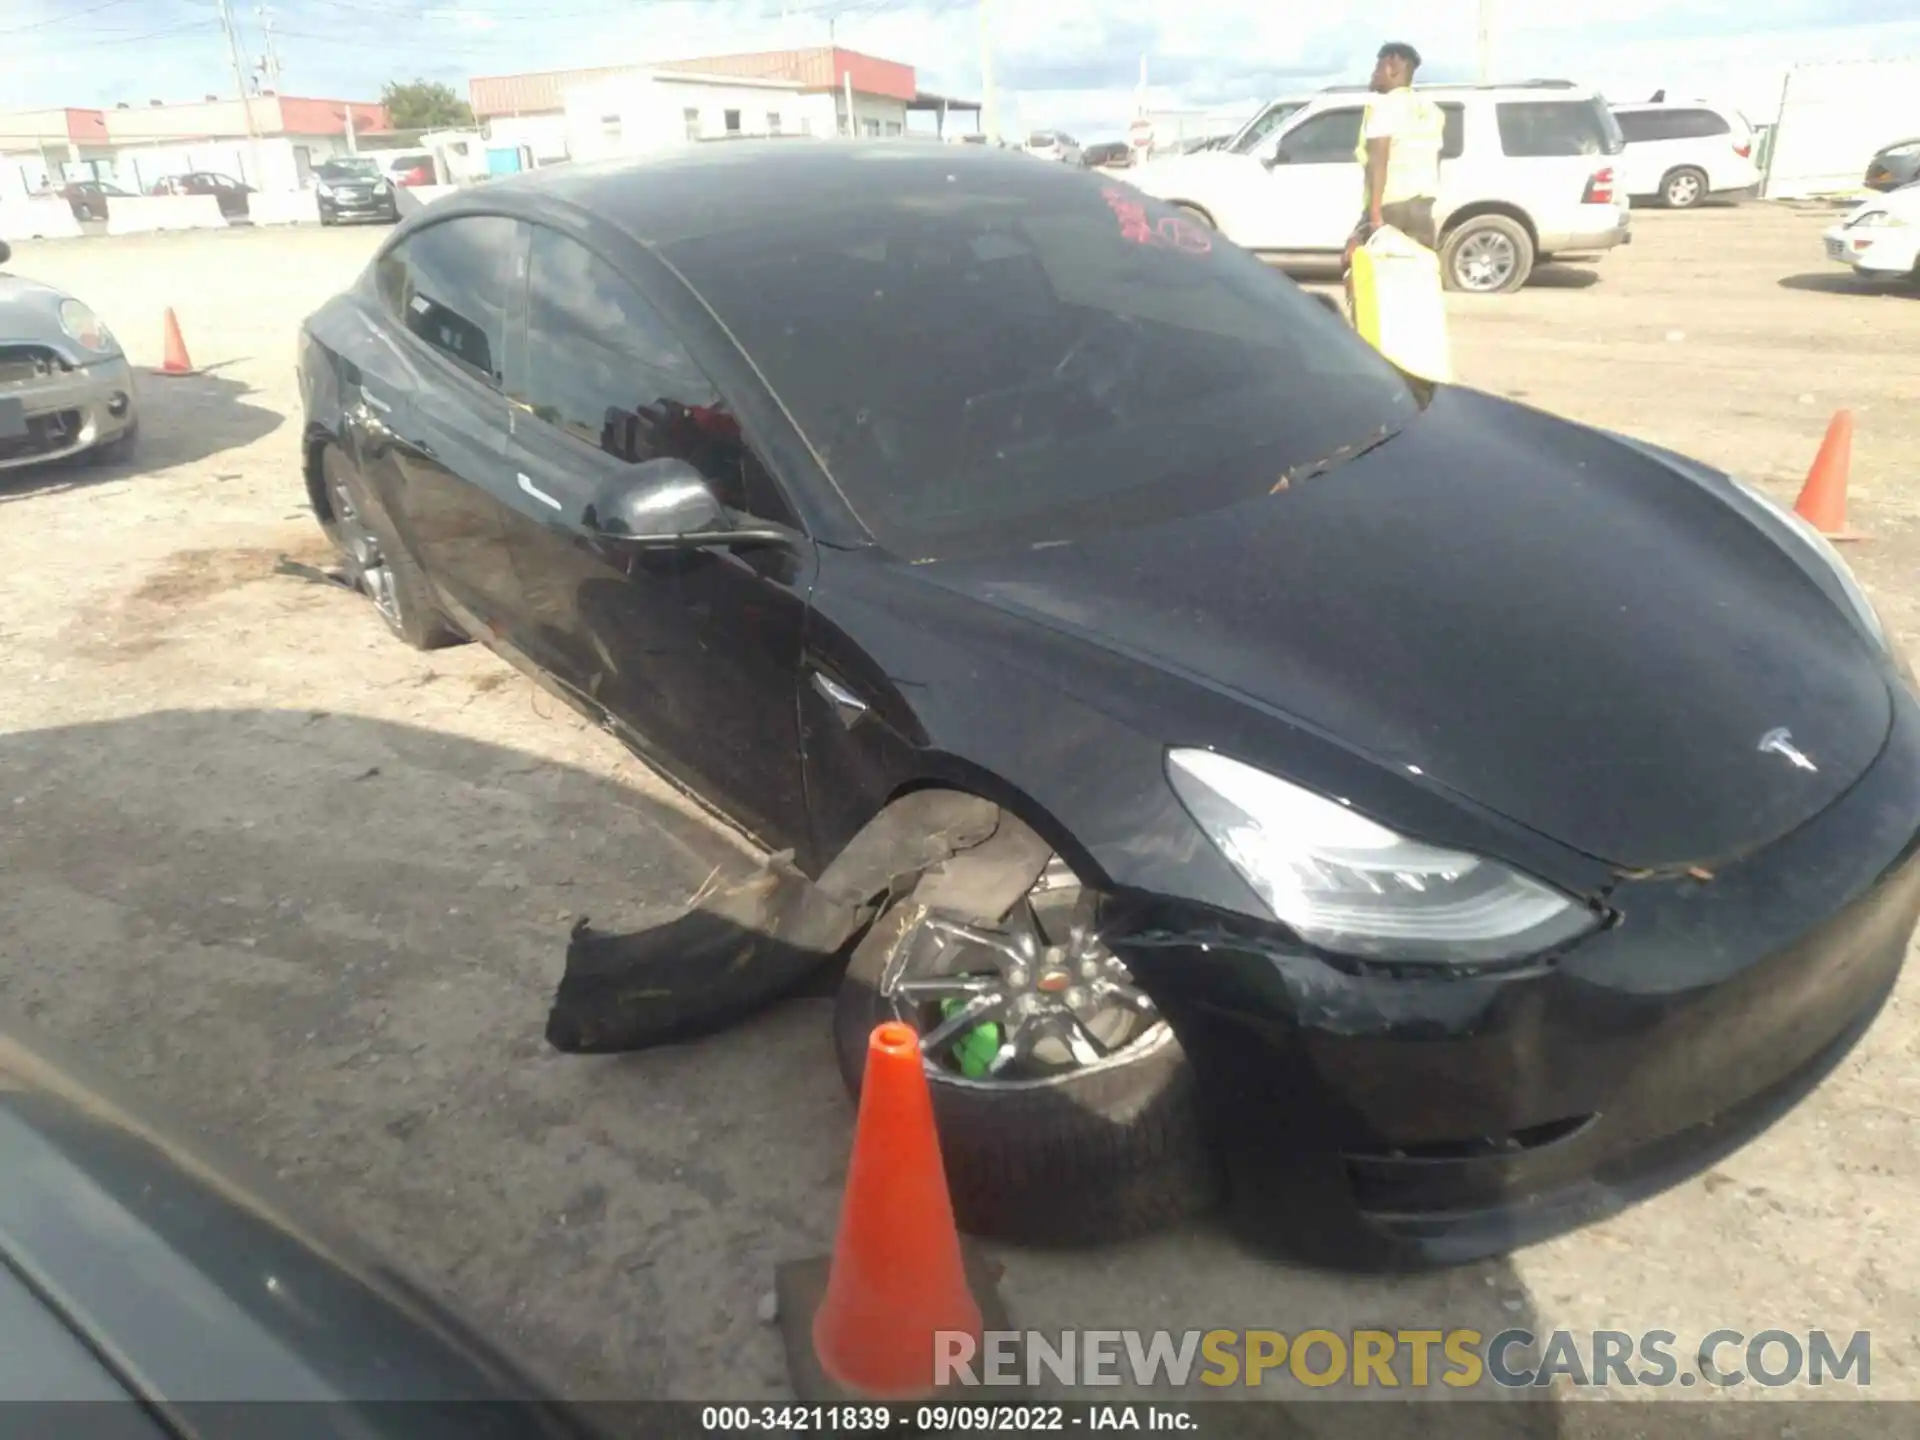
(531, 110)
(269, 141)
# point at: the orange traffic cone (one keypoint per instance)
(175, 361)
(897, 1277)
(1823, 499)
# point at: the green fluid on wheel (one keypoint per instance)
(973, 1051)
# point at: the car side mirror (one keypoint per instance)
(1278, 157)
(6, 252)
(667, 504)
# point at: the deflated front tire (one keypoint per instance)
(1067, 1112)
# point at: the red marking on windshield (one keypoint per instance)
(1170, 232)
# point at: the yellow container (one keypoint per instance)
(1399, 307)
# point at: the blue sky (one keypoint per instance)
(1068, 63)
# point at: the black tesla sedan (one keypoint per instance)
(1436, 821)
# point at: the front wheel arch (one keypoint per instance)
(1089, 1156)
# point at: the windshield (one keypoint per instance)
(349, 170)
(1269, 120)
(1007, 355)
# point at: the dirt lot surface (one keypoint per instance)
(311, 890)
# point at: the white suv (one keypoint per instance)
(1681, 154)
(1526, 175)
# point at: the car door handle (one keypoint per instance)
(526, 484)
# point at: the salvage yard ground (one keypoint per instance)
(310, 890)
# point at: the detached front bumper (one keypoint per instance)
(49, 412)
(1384, 1123)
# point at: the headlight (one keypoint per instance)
(1900, 152)
(323, 189)
(1875, 219)
(86, 328)
(380, 187)
(1823, 550)
(1353, 887)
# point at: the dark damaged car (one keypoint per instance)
(1430, 822)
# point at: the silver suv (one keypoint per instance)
(1054, 145)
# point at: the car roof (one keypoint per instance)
(676, 195)
(1712, 105)
(1571, 89)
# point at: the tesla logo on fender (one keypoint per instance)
(1780, 742)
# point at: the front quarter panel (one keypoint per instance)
(948, 704)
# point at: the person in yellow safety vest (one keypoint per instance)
(1400, 143)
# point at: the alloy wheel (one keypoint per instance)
(1018, 1003)
(1485, 261)
(1683, 190)
(369, 561)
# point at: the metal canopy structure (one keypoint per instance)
(927, 102)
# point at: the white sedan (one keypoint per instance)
(1880, 239)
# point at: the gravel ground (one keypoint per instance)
(311, 890)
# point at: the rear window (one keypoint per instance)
(978, 353)
(1641, 126)
(1537, 129)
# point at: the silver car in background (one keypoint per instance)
(65, 385)
(1053, 145)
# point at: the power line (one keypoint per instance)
(66, 19)
(192, 27)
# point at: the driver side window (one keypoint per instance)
(603, 366)
(1330, 138)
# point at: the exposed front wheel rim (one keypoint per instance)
(1008, 1006)
(363, 551)
(1485, 261)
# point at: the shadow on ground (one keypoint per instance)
(332, 942)
(184, 419)
(1829, 282)
(1563, 277)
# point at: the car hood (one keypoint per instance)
(1164, 175)
(30, 312)
(1555, 624)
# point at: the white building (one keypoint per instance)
(663, 109)
(622, 109)
(267, 141)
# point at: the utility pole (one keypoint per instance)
(1486, 42)
(246, 100)
(989, 105)
(270, 66)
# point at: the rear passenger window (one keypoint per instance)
(1537, 129)
(1454, 143)
(1699, 124)
(448, 285)
(1648, 125)
(1639, 126)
